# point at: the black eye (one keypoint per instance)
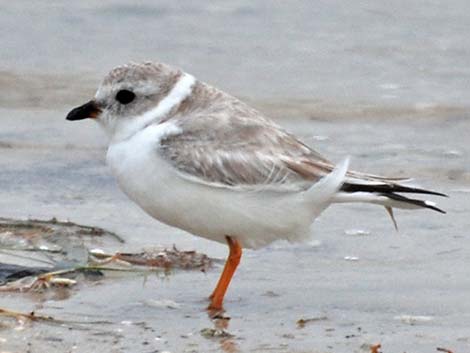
(124, 96)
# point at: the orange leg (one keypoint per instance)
(233, 260)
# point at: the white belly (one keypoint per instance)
(254, 218)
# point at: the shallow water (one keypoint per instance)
(390, 88)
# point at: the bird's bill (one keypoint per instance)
(85, 111)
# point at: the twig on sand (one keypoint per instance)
(19, 315)
(32, 316)
(161, 258)
(301, 323)
(445, 350)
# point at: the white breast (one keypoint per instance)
(141, 173)
(255, 218)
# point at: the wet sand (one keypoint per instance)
(54, 168)
(364, 282)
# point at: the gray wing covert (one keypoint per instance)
(242, 154)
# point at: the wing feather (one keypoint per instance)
(245, 151)
(241, 154)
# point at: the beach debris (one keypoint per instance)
(271, 294)
(357, 232)
(449, 251)
(413, 319)
(163, 303)
(214, 333)
(445, 350)
(301, 323)
(289, 336)
(453, 153)
(22, 316)
(32, 228)
(58, 279)
(11, 272)
(351, 258)
(370, 348)
(49, 279)
(51, 241)
(64, 250)
(158, 257)
(42, 282)
(137, 263)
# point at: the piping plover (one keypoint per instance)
(198, 159)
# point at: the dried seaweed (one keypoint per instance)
(159, 257)
(301, 323)
(52, 241)
(65, 248)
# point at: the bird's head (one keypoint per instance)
(126, 96)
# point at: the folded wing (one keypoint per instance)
(242, 155)
(254, 154)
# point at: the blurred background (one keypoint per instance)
(378, 57)
(385, 82)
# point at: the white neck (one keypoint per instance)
(180, 91)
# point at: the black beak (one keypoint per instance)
(87, 110)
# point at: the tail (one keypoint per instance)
(387, 194)
(322, 193)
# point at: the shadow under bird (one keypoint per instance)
(199, 159)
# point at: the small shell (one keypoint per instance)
(60, 281)
(413, 319)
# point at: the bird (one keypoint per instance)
(198, 159)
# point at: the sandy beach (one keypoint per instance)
(384, 84)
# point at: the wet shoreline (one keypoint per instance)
(383, 83)
(405, 290)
